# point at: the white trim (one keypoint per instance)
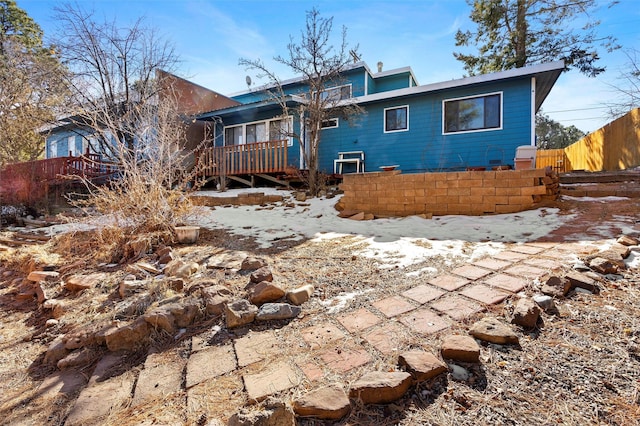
(533, 111)
(484, 95)
(267, 124)
(336, 120)
(384, 119)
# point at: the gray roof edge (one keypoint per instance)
(466, 81)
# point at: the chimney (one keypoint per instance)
(380, 66)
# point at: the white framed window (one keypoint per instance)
(396, 119)
(472, 114)
(337, 93)
(259, 131)
(330, 123)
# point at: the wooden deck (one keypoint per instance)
(256, 159)
(56, 170)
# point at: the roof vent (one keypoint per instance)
(380, 66)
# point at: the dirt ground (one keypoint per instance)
(580, 366)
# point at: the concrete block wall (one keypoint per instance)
(466, 193)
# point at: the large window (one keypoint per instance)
(337, 93)
(396, 119)
(473, 114)
(259, 131)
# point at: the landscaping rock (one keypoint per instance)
(50, 276)
(131, 286)
(277, 311)
(460, 348)
(264, 292)
(556, 286)
(262, 274)
(181, 269)
(273, 414)
(626, 240)
(56, 351)
(76, 359)
(526, 313)
(80, 338)
(239, 313)
(545, 302)
(128, 336)
(328, 403)
(215, 297)
(300, 295)
(44, 290)
(603, 266)
(421, 365)
(582, 281)
(251, 263)
(490, 329)
(83, 282)
(379, 387)
(57, 307)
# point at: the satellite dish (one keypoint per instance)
(248, 80)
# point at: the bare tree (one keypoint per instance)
(126, 101)
(321, 66)
(113, 77)
(628, 86)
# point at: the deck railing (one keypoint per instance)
(253, 158)
(60, 168)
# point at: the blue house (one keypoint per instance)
(471, 122)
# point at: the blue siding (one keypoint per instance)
(423, 147)
(392, 82)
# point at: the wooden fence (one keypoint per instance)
(615, 146)
(254, 158)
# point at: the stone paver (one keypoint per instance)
(485, 294)
(209, 363)
(506, 282)
(423, 293)
(425, 321)
(456, 306)
(387, 338)
(493, 264)
(98, 400)
(471, 272)
(448, 282)
(393, 306)
(256, 346)
(161, 376)
(526, 249)
(222, 394)
(275, 379)
(341, 360)
(543, 263)
(510, 256)
(310, 369)
(359, 320)
(318, 336)
(62, 382)
(526, 271)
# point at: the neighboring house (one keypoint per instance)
(470, 122)
(68, 137)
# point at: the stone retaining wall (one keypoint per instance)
(466, 193)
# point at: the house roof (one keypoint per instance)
(545, 75)
(253, 107)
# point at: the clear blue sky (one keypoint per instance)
(211, 35)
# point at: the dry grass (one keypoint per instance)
(580, 367)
